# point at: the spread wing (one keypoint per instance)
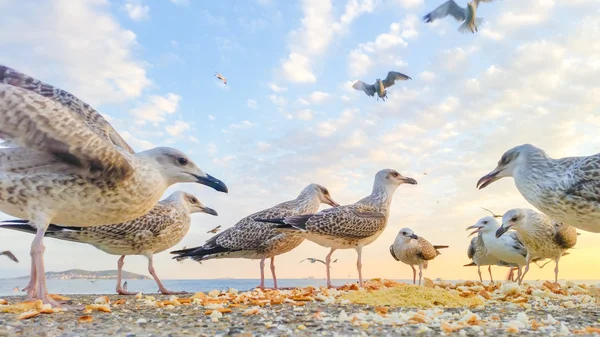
(9, 255)
(391, 78)
(42, 124)
(447, 8)
(368, 89)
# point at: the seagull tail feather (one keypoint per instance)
(472, 264)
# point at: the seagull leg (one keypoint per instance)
(30, 288)
(161, 287)
(119, 289)
(490, 271)
(527, 260)
(479, 272)
(262, 274)
(359, 265)
(414, 274)
(327, 263)
(556, 271)
(40, 291)
(420, 273)
(273, 272)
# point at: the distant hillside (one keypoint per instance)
(80, 274)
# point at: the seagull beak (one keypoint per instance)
(476, 228)
(213, 182)
(407, 180)
(209, 210)
(489, 178)
(503, 229)
(330, 201)
(414, 236)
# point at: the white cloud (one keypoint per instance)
(194, 139)
(224, 161)
(277, 100)
(252, 104)
(180, 2)
(96, 61)
(156, 108)
(305, 114)
(137, 10)
(212, 149)
(243, 125)
(263, 146)
(427, 76)
(318, 97)
(211, 117)
(136, 143)
(297, 69)
(409, 4)
(177, 128)
(277, 88)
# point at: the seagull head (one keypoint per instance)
(314, 192)
(514, 218)
(508, 164)
(192, 203)
(392, 177)
(406, 234)
(176, 167)
(484, 225)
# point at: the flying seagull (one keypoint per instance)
(379, 86)
(312, 260)
(221, 77)
(9, 255)
(471, 22)
(164, 226)
(214, 231)
(66, 164)
(413, 250)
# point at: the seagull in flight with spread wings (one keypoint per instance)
(221, 77)
(379, 86)
(466, 15)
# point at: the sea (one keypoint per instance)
(8, 287)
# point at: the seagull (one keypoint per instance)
(214, 231)
(65, 164)
(124, 286)
(163, 227)
(542, 236)
(312, 260)
(351, 226)
(219, 76)
(480, 256)
(10, 255)
(413, 250)
(252, 239)
(565, 189)
(471, 22)
(379, 86)
(334, 261)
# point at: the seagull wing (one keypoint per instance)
(427, 250)
(33, 121)
(393, 254)
(447, 8)
(368, 89)
(471, 249)
(391, 78)
(9, 255)
(323, 262)
(347, 221)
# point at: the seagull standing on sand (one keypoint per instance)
(468, 15)
(541, 236)
(163, 227)
(252, 239)
(66, 164)
(379, 86)
(480, 256)
(565, 189)
(413, 250)
(351, 226)
(9, 255)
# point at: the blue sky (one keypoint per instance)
(289, 117)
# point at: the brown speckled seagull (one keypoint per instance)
(9, 255)
(65, 164)
(250, 239)
(350, 226)
(541, 236)
(413, 250)
(163, 227)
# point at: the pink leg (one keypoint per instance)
(120, 264)
(420, 273)
(556, 271)
(479, 272)
(30, 288)
(359, 266)
(37, 253)
(327, 264)
(161, 288)
(490, 271)
(273, 272)
(262, 273)
(527, 260)
(414, 274)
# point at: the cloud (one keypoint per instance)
(177, 128)
(156, 109)
(297, 69)
(137, 10)
(277, 100)
(409, 4)
(96, 61)
(243, 125)
(136, 143)
(277, 88)
(305, 114)
(211, 117)
(318, 97)
(206, 18)
(252, 104)
(180, 2)
(212, 149)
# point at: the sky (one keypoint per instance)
(288, 115)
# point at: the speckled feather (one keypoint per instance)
(416, 252)
(539, 236)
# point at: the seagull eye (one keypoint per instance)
(514, 218)
(182, 161)
(485, 222)
(194, 200)
(403, 233)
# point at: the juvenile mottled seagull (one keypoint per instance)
(214, 230)
(312, 260)
(65, 164)
(379, 86)
(251, 239)
(351, 226)
(221, 77)
(9, 255)
(158, 230)
(468, 15)
(413, 250)
(565, 189)
(542, 236)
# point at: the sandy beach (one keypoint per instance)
(504, 309)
